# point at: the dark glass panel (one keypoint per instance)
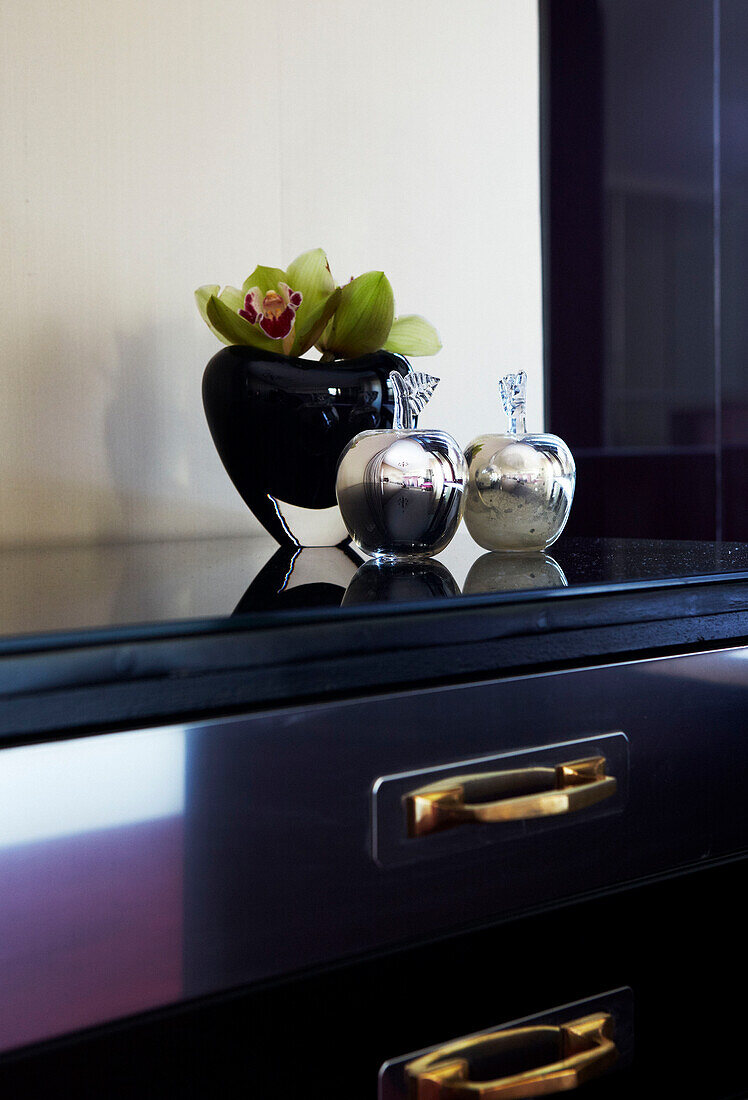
(639, 411)
(734, 263)
(663, 495)
(572, 200)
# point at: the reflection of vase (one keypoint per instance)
(400, 582)
(497, 572)
(296, 577)
(279, 425)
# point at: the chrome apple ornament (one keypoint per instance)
(401, 491)
(521, 484)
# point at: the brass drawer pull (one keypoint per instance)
(576, 1051)
(508, 795)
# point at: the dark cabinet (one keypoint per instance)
(296, 858)
(310, 935)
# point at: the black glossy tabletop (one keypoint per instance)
(208, 584)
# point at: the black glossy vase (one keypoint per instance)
(279, 425)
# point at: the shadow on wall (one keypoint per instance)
(101, 442)
(65, 512)
(163, 466)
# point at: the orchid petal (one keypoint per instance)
(323, 340)
(308, 333)
(202, 297)
(277, 327)
(232, 297)
(265, 279)
(363, 320)
(310, 273)
(233, 329)
(251, 310)
(291, 297)
(413, 335)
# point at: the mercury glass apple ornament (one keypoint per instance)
(401, 491)
(521, 484)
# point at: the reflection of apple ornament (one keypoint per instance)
(495, 572)
(401, 492)
(380, 581)
(521, 485)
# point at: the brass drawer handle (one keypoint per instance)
(508, 795)
(577, 1050)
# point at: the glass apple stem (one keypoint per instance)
(517, 422)
(402, 416)
(513, 389)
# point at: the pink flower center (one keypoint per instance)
(273, 305)
(275, 313)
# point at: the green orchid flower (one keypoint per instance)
(364, 321)
(275, 310)
(291, 311)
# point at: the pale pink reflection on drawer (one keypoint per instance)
(91, 858)
(725, 666)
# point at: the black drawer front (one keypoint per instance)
(676, 945)
(280, 849)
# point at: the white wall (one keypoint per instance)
(149, 146)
